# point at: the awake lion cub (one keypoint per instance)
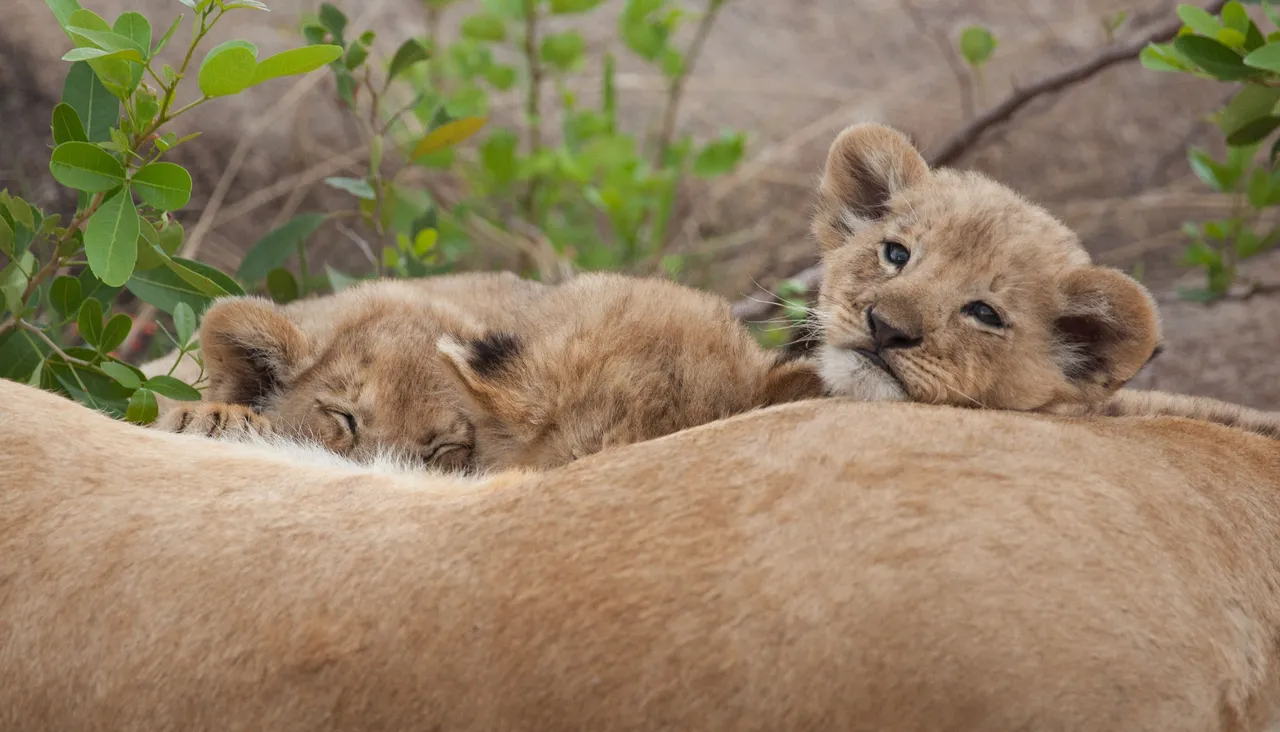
(356, 371)
(946, 287)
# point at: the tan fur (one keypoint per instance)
(960, 570)
(605, 360)
(366, 356)
(1073, 332)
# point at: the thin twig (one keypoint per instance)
(675, 92)
(956, 145)
(961, 141)
(533, 98)
(28, 327)
(964, 81)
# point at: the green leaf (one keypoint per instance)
(334, 21)
(228, 68)
(1200, 254)
(111, 239)
(246, 4)
(1215, 58)
(65, 296)
(89, 322)
(92, 102)
(97, 54)
(136, 28)
(184, 323)
(1214, 174)
(563, 50)
(163, 186)
(1253, 132)
(447, 135)
(1232, 38)
(150, 255)
(357, 187)
(1272, 13)
(86, 167)
(358, 51)
(277, 246)
(339, 281)
(410, 53)
(66, 125)
(296, 61)
(976, 45)
(62, 10)
(171, 237)
(484, 27)
(1266, 58)
(564, 7)
(1162, 57)
(122, 374)
(143, 408)
(1234, 16)
(20, 354)
(501, 76)
(425, 241)
(282, 286)
(168, 35)
(1199, 19)
(164, 288)
(1250, 103)
(498, 155)
(107, 40)
(173, 388)
(114, 332)
(720, 156)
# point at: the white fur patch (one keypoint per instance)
(312, 454)
(848, 374)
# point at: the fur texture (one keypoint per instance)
(961, 570)
(605, 360)
(356, 372)
(946, 287)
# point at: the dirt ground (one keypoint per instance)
(1107, 156)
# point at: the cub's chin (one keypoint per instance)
(850, 374)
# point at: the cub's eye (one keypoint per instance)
(983, 313)
(346, 418)
(896, 254)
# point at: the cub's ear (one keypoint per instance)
(250, 349)
(1109, 329)
(491, 380)
(791, 381)
(867, 165)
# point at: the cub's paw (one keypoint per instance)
(215, 419)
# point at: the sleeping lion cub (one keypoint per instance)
(356, 371)
(946, 287)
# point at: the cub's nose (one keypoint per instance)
(887, 335)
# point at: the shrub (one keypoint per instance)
(1231, 48)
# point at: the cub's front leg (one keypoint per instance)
(1138, 403)
(218, 420)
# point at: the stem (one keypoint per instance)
(533, 99)
(675, 92)
(24, 325)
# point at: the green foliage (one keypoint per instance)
(59, 282)
(1231, 48)
(587, 195)
(977, 45)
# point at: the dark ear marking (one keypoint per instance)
(492, 353)
(254, 392)
(1077, 334)
(1159, 349)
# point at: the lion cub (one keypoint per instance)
(356, 372)
(606, 360)
(946, 287)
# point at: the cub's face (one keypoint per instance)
(949, 288)
(372, 384)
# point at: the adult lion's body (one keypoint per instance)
(822, 565)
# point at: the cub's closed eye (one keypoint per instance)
(983, 313)
(896, 254)
(347, 419)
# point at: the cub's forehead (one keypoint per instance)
(968, 216)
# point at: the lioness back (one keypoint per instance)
(961, 570)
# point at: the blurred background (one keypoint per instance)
(694, 141)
